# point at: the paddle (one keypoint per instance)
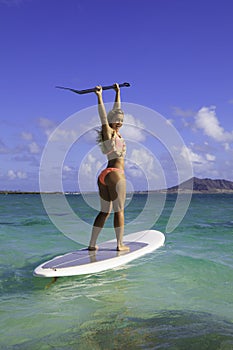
(80, 92)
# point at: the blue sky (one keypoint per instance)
(177, 55)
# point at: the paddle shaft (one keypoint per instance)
(87, 91)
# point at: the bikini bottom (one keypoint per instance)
(106, 172)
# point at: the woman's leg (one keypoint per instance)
(119, 229)
(106, 207)
(117, 191)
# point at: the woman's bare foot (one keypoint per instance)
(93, 248)
(123, 248)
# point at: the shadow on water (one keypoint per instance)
(174, 330)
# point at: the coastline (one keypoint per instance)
(136, 192)
(192, 186)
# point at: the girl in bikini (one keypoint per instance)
(111, 181)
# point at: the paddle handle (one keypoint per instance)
(87, 91)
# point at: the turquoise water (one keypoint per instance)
(179, 297)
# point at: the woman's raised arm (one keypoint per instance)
(117, 102)
(101, 107)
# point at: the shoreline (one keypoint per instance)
(191, 186)
(136, 192)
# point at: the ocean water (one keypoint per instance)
(179, 297)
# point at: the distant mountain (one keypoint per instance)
(204, 186)
(194, 185)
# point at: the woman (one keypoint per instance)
(111, 181)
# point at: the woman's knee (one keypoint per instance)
(119, 213)
(118, 206)
(104, 214)
(119, 203)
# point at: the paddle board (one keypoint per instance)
(83, 261)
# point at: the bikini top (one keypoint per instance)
(115, 145)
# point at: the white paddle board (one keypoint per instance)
(83, 261)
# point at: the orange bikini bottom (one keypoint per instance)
(106, 172)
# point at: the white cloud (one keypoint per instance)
(226, 146)
(21, 175)
(26, 136)
(68, 174)
(64, 135)
(142, 162)
(67, 169)
(207, 120)
(182, 112)
(61, 134)
(133, 129)
(204, 164)
(144, 170)
(47, 125)
(91, 158)
(88, 171)
(196, 158)
(142, 158)
(210, 157)
(12, 175)
(187, 153)
(34, 148)
(3, 148)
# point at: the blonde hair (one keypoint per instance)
(110, 116)
(112, 113)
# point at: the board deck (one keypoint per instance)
(83, 261)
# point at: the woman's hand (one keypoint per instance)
(98, 90)
(101, 107)
(116, 87)
(117, 102)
